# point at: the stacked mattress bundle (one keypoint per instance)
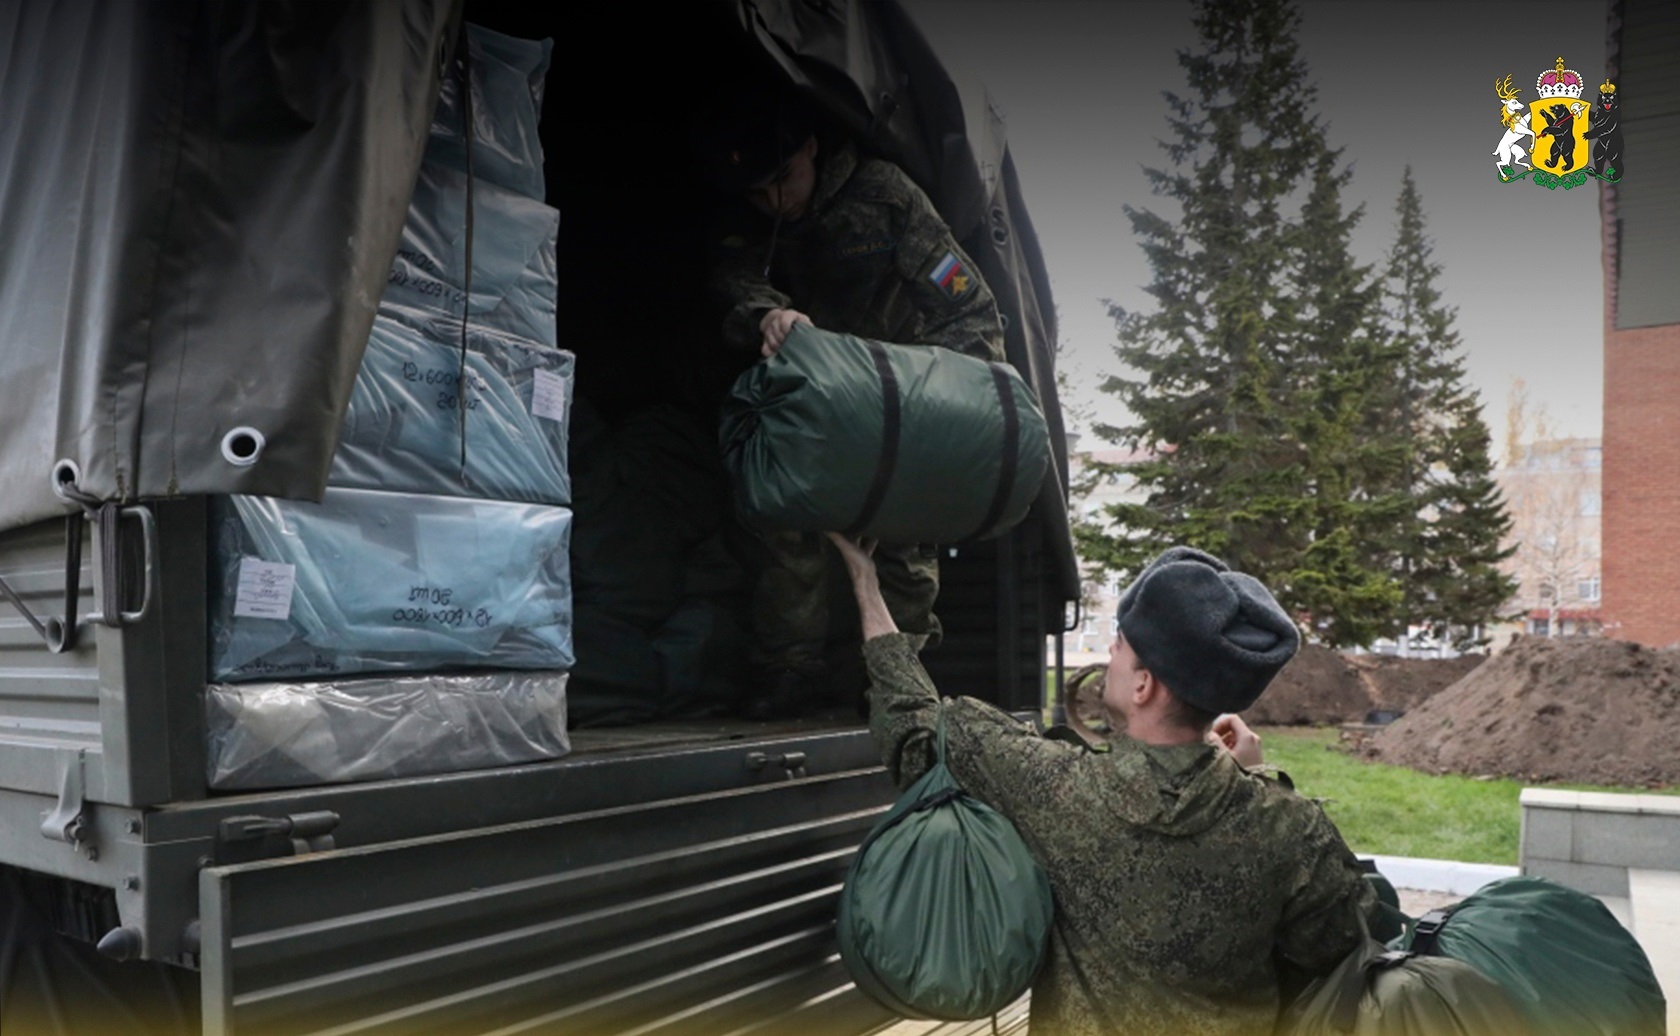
(419, 618)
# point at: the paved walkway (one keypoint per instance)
(1654, 902)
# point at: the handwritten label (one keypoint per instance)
(548, 395)
(265, 589)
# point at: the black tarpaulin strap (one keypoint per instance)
(890, 428)
(1011, 452)
(463, 384)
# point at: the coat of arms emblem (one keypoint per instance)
(1558, 137)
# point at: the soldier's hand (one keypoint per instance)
(1231, 733)
(776, 324)
(858, 554)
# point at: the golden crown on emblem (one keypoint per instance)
(1559, 82)
(1607, 88)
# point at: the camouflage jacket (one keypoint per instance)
(870, 257)
(1177, 874)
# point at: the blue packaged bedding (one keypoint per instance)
(507, 92)
(373, 582)
(402, 430)
(514, 272)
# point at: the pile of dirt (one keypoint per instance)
(1402, 684)
(1321, 686)
(1584, 710)
(1317, 686)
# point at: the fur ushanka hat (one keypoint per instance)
(1215, 637)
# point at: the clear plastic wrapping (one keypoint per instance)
(277, 735)
(372, 582)
(507, 92)
(514, 269)
(402, 430)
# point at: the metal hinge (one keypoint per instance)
(792, 762)
(258, 837)
(67, 821)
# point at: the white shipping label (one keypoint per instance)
(265, 589)
(548, 395)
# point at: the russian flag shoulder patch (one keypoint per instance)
(952, 277)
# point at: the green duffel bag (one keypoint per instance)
(906, 444)
(1376, 991)
(1563, 957)
(944, 913)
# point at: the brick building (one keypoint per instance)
(1641, 220)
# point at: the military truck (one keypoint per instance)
(201, 204)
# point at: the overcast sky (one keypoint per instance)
(1080, 84)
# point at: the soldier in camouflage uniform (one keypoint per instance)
(849, 245)
(1181, 877)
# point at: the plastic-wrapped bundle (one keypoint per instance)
(370, 582)
(507, 93)
(514, 273)
(907, 444)
(402, 431)
(278, 735)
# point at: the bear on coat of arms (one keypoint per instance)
(1606, 134)
(1560, 126)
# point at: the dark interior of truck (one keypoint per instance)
(658, 558)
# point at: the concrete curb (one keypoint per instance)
(1450, 876)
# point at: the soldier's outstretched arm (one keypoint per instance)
(905, 708)
(740, 286)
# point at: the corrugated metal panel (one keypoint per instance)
(1648, 199)
(129, 699)
(49, 704)
(1011, 1020)
(706, 914)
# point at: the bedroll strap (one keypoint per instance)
(1426, 936)
(891, 421)
(1011, 452)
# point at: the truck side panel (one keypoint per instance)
(694, 914)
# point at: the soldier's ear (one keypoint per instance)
(1148, 687)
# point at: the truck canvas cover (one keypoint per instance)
(199, 205)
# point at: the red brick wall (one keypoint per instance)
(1641, 482)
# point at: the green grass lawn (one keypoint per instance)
(1392, 811)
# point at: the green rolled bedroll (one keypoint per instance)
(902, 443)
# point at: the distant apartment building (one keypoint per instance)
(1641, 228)
(1554, 491)
(1100, 595)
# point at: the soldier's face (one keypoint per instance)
(788, 193)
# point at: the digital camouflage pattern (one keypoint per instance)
(870, 258)
(1177, 874)
(790, 598)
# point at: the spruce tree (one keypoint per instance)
(1341, 366)
(1308, 422)
(1250, 386)
(1226, 476)
(1450, 550)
